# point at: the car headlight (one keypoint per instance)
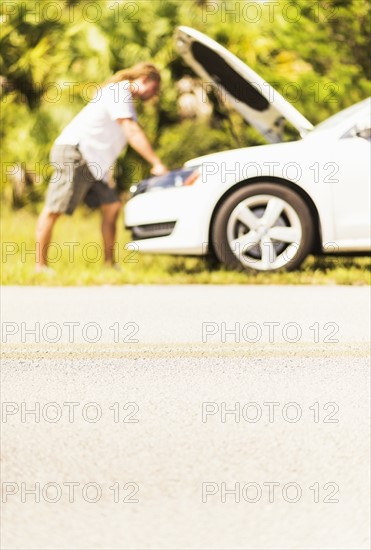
(175, 178)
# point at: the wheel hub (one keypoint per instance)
(262, 231)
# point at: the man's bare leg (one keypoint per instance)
(44, 229)
(110, 214)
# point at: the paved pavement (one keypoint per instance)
(185, 417)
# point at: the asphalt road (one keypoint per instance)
(185, 417)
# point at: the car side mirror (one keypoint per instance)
(359, 131)
(365, 133)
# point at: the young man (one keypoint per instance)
(88, 147)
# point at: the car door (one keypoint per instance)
(350, 189)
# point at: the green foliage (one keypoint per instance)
(316, 56)
(192, 139)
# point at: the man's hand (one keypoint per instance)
(159, 169)
(139, 141)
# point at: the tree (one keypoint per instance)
(314, 53)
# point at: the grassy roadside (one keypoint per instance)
(79, 263)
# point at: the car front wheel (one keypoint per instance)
(263, 227)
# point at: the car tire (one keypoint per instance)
(263, 227)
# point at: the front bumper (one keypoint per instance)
(170, 221)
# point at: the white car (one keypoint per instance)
(266, 207)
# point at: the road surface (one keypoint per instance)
(185, 417)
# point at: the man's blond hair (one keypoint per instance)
(146, 70)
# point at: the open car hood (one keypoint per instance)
(259, 104)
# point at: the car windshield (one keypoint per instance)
(341, 117)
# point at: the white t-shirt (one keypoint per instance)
(96, 131)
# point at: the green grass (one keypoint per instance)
(17, 235)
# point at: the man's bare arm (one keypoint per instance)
(139, 141)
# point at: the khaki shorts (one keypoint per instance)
(73, 183)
